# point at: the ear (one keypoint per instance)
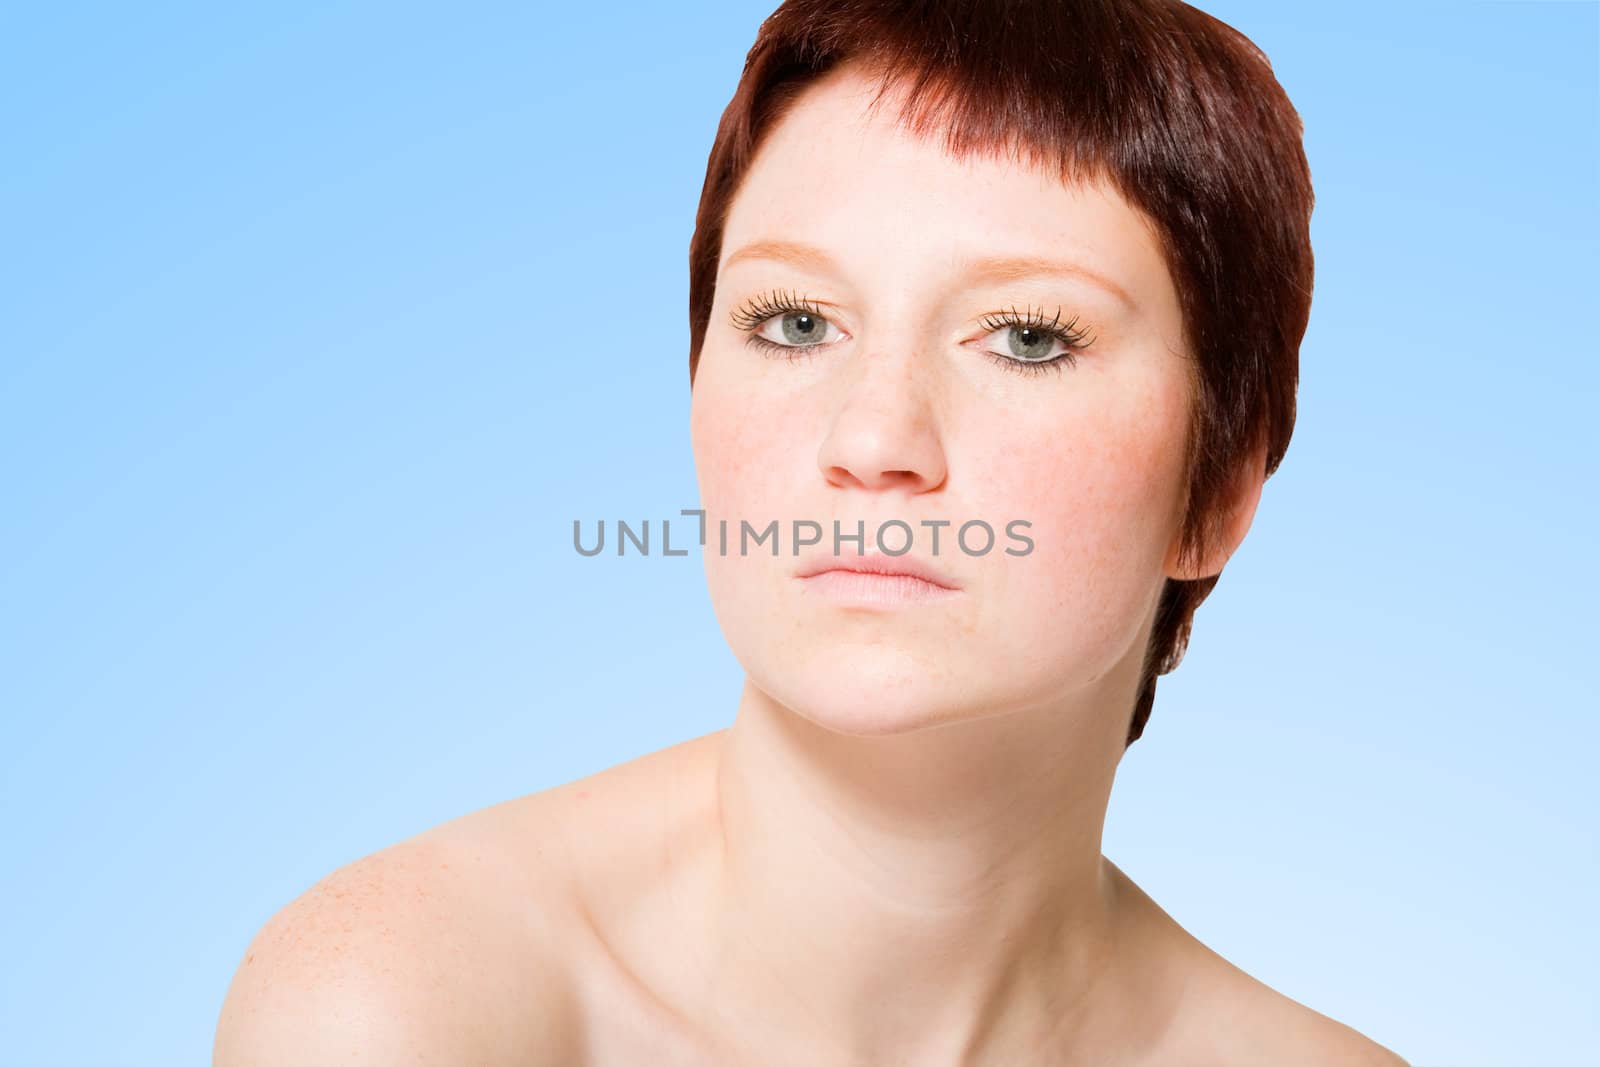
(1240, 503)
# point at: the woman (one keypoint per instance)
(1034, 268)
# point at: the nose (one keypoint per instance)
(885, 433)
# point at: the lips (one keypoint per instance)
(877, 563)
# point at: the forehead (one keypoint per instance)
(852, 180)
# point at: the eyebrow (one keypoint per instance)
(984, 269)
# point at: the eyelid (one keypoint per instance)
(757, 310)
(1075, 336)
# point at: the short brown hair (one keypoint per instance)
(1180, 112)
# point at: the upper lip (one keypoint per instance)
(878, 563)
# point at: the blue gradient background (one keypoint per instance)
(320, 325)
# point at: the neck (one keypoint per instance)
(931, 896)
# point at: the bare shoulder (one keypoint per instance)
(442, 949)
(1248, 1022)
(481, 940)
(1223, 1015)
(1301, 1034)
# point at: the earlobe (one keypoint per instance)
(1242, 500)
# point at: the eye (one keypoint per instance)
(1032, 343)
(797, 329)
(785, 325)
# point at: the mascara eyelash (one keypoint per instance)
(750, 316)
(756, 311)
(1070, 335)
(759, 309)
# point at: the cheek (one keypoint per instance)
(745, 454)
(750, 461)
(1101, 490)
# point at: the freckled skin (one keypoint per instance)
(625, 918)
(1092, 456)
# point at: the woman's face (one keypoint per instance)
(907, 409)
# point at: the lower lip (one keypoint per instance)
(888, 589)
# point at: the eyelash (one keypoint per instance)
(755, 313)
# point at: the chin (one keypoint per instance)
(867, 691)
(866, 716)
